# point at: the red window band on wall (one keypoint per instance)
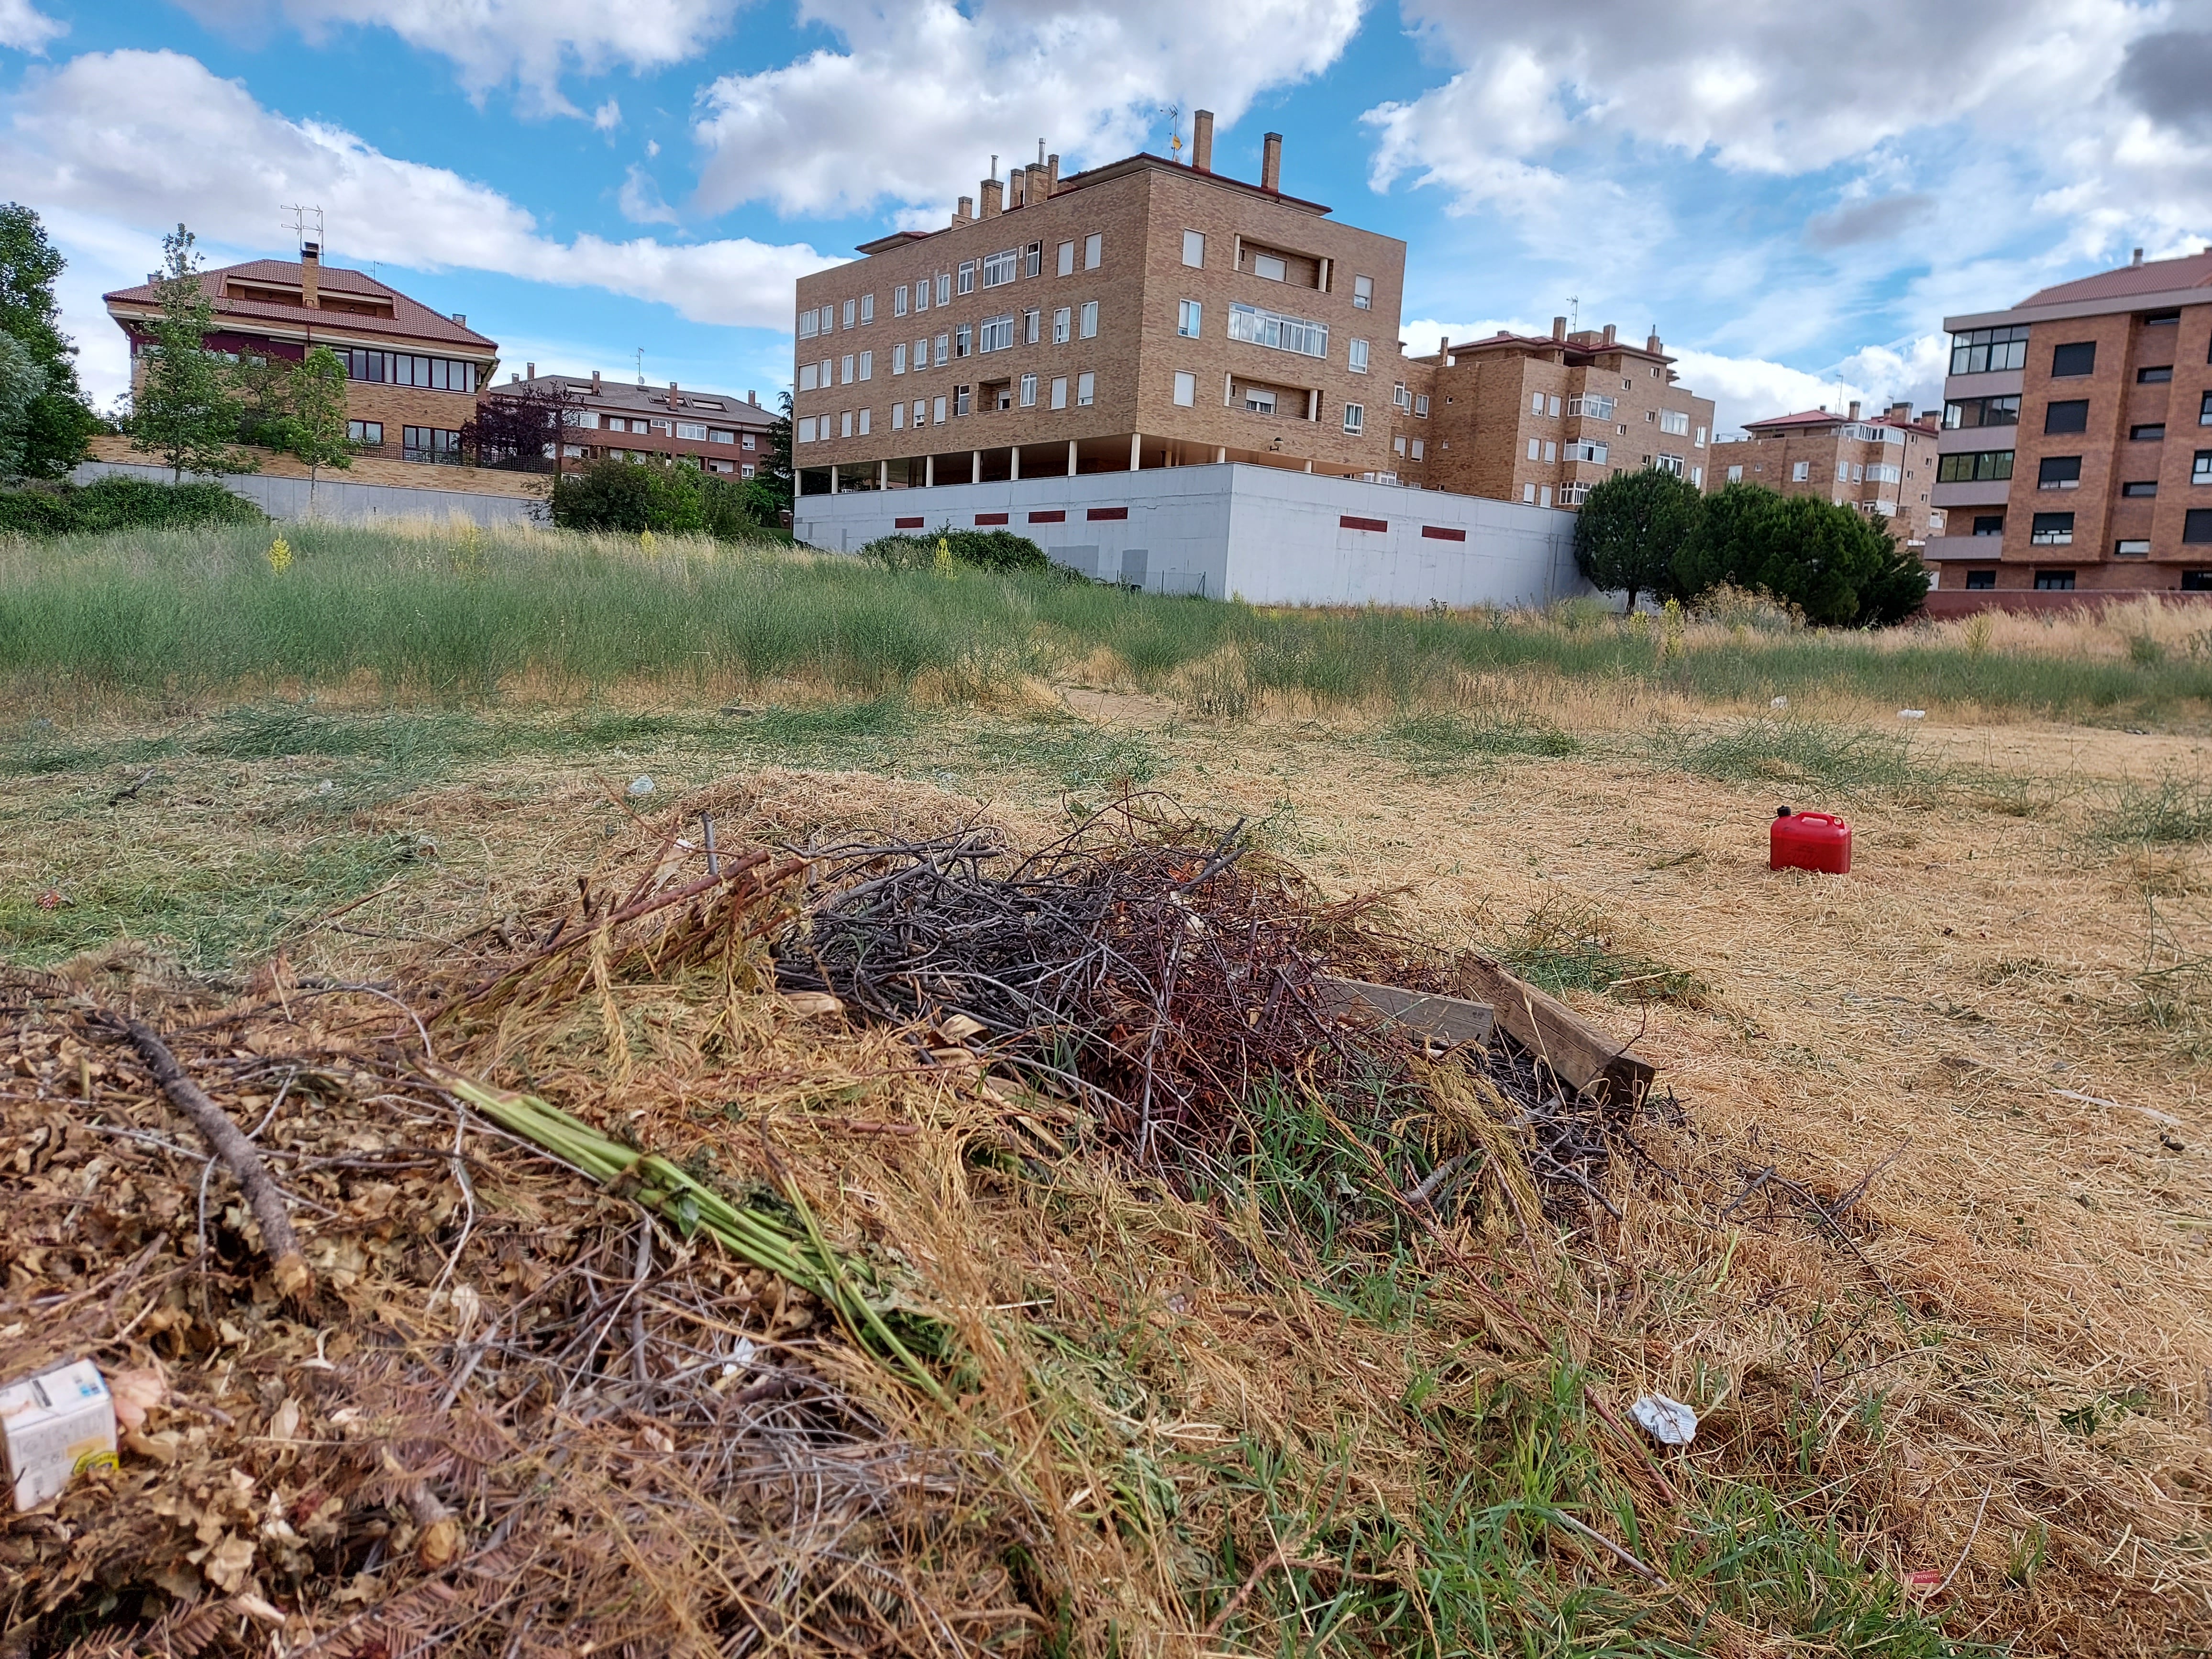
(1055, 516)
(1438, 532)
(982, 518)
(1098, 513)
(1348, 522)
(906, 523)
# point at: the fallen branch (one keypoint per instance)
(263, 1195)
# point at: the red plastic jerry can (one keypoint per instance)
(1809, 841)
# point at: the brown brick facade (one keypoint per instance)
(1843, 458)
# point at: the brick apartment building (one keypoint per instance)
(1540, 419)
(1884, 465)
(613, 420)
(1142, 314)
(2076, 448)
(412, 375)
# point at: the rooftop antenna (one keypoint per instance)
(1574, 313)
(640, 365)
(301, 216)
(1174, 112)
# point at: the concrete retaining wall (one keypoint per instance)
(1244, 532)
(339, 499)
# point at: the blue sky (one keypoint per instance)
(1794, 196)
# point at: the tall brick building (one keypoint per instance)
(613, 419)
(1141, 314)
(2076, 449)
(1540, 419)
(413, 375)
(1884, 465)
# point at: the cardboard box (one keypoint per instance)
(56, 1425)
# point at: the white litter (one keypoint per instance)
(1669, 1420)
(56, 1425)
(1779, 702)
(641, 786)
(1912, 713)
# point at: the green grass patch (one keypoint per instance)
(1449, 740)
(1073, 754)
(1567, 946)
(1791, 752)
(2173, 812)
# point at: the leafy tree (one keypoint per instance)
(56, 422)
(1632, 528)
(630, 496)
(314, 429)
(21, 384)
(1840, 568)
(986, 550)
(773, 474)
(186, 408)
(512, 428)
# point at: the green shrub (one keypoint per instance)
(1840, 568)
(121, 502)
(628, 497)
(985, 549)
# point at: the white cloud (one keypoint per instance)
(640, 199)
(129, 141)
(607, 116)
(927, 92)
(25, 28)
(529, 42)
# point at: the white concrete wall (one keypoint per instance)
(1255, 532)
(337, 499)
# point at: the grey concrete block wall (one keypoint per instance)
(1242, 531)
(338, 499)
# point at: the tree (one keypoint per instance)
(630, 496)
(186, 408)
(1631, 529)
(315, 428)
(1896, 588)
(773, 474)
(21, 383)
(1840, 568)
(56, 422)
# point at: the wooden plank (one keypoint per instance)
(1578, 1055)
(1447, 1019)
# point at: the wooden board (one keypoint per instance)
(1578, 1055)
(1446, 1019)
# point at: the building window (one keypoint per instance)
(2158, 376)
(1401, 397)
(845, 424)
(1588, 450)
(1673, 464)
(867, 365)
(1535, 446)
(2052, 529)
(1067, 258)
(1029, 391)
(1550, 450)
(1882, 473)
(695, 431)
(1060, 391)
(1535, 403)
(1062, 321)
(898, 360)
(1258, 401)
(1544, 497)
(998, 268)
(1032, 259)
(829, 319)
(2071, 362)
(1573, 494)
(1555, 409)
(1984, 411)
(1988, 350)
(1529, 494)
(961, 401)
(431, 443)
(1356, 356)
(1269, 268)
(898, 415)
(805, 434)
(1398, 445)
(1085, 386)
(2197, 581)
(1090, 319)
(2054, 581)
(747, 471)
(2072, 417)
(898, 301)
(2196, 524)
(1421, 406)
(2200, 472)
(1271, 328)
(2140, 487)
(1186, 389)
(864, 422)
(1675, 421)
(1362, 293)
(943, 349)
(2059, 472)
(1194, 249)
(718, 435)
(1094, 249)
(921, 410)
(1698, 476)
(1032, 325)
(937, 411)
(1735, 474)
(1989, 524)
(1973, 466)
(944, 287)
(997, 333)
(746, 442)
(922, 294)
(2155, 431)
(808, 325)
(967, 276)
(1591, 405)
(1981, 579)
(1188, 314)
(1420, 449)
(1355, 418)
(1799, 470)
(2204, 410)
(365, 432)
(2134, 548)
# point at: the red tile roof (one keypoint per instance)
(410, 319)
(2154, 277)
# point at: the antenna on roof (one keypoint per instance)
(640, 365)
(1574, 313)
(300, 217)
(1174, 112)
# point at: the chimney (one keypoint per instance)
(1052, 175)
(1201, 140)
(311, 274)
(1558, 328)
(753, 397)
(1652, 345)
(1608, 333)
(994, 198)
(1443, 347)
(671, 394)
(965, 213)
(595, 383)
(2138, 259)
(1854, 415)
(1901, 411)
(1270, 163)
(529, 371)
